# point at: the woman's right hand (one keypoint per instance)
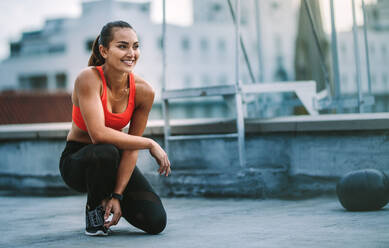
(161, 157)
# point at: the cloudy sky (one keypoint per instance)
(24, 15)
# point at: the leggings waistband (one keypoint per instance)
(72, 147)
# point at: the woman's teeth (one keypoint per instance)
(128, 62)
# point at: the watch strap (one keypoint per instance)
(117, 196)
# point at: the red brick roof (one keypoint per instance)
(34, 107)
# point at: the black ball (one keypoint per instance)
(363, 190)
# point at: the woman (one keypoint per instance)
(100, 159)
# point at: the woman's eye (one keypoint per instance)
(122, 46)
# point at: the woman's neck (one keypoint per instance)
(116, 80)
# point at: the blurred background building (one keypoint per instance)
(378, 39)
(203, 54)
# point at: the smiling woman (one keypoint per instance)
(100, 159)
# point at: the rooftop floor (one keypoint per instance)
(198, 222)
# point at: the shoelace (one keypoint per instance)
(96, 217)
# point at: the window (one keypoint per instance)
(214, 10)
(221, 45)
(34, 82)
(145, 8)
(274, 5)
(59, 48)
(60, 80)
(185, 43)
(15, 48)
(89, 45)
(216, 7)
(204, 44)
(160, 43)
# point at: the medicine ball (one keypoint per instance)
(363, 190)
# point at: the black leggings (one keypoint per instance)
(92, 168)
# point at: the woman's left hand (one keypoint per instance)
(113, 205)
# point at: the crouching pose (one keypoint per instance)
(100, 159)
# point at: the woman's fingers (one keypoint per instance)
(107, 211)
(168, 171)
(115, 219)
(162, 159)
(165, 167)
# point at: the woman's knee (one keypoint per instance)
(156, 223)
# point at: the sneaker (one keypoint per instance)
(94, 220)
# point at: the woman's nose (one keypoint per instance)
(130, 52)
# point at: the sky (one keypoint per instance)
(26, 15)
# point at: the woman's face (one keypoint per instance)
(123, 51)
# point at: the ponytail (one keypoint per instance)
(96, 59)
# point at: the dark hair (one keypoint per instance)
(104, 38)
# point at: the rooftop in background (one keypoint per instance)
(34, 107)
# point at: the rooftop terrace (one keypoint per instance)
(288, 157)
(198, 222)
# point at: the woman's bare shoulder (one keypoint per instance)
(144, 95)
(87, 79)
(142, 86)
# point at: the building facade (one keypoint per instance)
(378, 46)
(198, 55)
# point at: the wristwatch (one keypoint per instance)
(116, 196)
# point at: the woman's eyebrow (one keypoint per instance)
(123, 42)
(126, 43)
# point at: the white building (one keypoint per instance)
(378, 37)
(201, 54)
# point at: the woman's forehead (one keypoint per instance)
(124, 34)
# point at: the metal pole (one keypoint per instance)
(259, 47)
(322, 58)
(335, 58)
(165, 107)
(236, 20)
(366, 47)
(357, 62)
(245, 56)
(238, 96)
(163, 44)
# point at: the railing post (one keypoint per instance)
(165, 103)
(357, 62)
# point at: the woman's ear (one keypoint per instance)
(103, 51)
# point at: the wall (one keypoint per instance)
(290, 156)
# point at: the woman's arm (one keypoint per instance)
(138, 124)
(129, 157)
(88, 95)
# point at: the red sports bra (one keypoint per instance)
(113, 120)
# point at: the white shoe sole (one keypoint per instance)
(98, 233)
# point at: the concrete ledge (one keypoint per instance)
(331, 122)
(287, 156)
(35, 131)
